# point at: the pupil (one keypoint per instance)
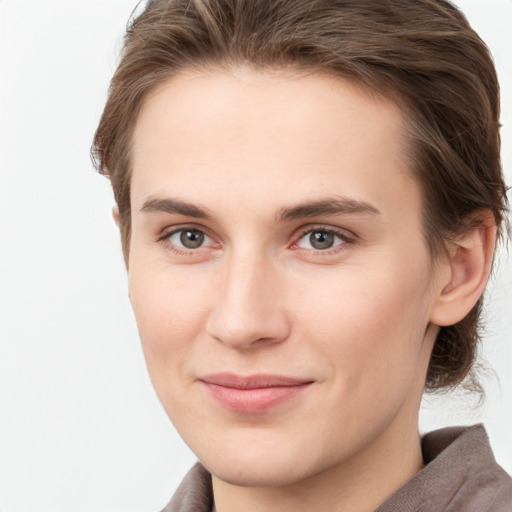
(321, 240)
(192, 239)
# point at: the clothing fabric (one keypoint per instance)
(460, 475)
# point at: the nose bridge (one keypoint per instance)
(247, 278)
(250, 306)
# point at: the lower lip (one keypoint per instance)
(252, 400)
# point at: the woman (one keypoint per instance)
(309, 196)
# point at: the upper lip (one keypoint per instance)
(258, 381)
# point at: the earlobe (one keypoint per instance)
(115, 215)
(468, 267)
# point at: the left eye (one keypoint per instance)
(320, 240)
(189, 238)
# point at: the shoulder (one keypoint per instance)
(460, 473)
(194, 494)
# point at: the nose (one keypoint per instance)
(250, 309)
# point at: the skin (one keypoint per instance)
(239, 148)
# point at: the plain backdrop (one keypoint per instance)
(80, 426)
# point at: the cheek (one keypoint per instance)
(170, 310)
(369, 323)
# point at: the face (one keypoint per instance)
(278, 271)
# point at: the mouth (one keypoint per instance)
(253, 393)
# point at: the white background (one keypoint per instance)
(80, 426)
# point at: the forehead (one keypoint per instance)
(242, 131)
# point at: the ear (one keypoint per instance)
(115, 215)
(465, 271)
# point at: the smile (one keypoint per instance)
(252, 394)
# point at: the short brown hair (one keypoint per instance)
(422, 54)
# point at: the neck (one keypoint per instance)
(359, 484)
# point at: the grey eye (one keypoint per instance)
(321, 239)
(188, 238)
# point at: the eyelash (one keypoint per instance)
(344, 236)
(346, 239)
(165, 238)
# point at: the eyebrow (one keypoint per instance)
(170, 205)
(327, 206)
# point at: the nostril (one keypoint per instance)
(242, 332)
(248, 311)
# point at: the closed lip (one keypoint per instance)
(254, 393)
(259, 381)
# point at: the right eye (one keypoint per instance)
(189, 239)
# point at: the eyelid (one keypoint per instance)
(171, 230)
(165, 235)
(347, 236)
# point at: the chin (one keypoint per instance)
(269, 461)
(263, 473)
